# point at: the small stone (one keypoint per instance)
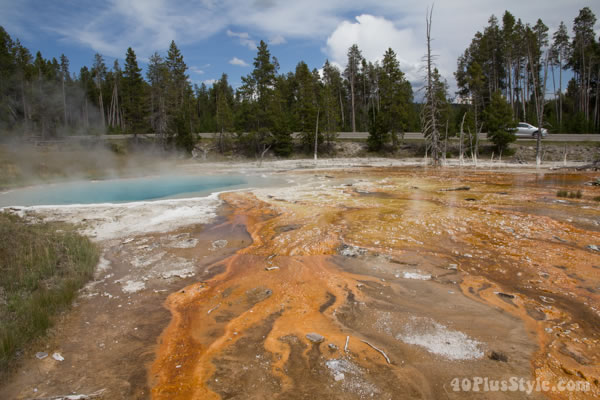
(332, 347)
(58, 357)
(453, 267)
(498, 356)
(315, 337)
(41, 355)
(505, 295)
(339, 377)
(593, 247)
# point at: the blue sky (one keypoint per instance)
(221, 36)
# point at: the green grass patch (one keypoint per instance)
(570, 195)
(42, 266)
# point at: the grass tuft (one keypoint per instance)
(570, 195)
(42, 266)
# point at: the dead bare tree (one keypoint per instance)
(461, 156)
(429, 116)
(317, 133)
(539, 100)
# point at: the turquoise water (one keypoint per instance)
(120, 190)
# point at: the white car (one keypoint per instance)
(524, 129)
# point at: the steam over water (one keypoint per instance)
(119, 190)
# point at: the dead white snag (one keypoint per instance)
(214, 308)
(379, 350)
(346, 346)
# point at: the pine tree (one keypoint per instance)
(64, 77)
(332, 106)
(351, 73)
(179, 111)
(560, 53)
(158, 76)
(99, 74)
(499, 122)
(305, 110)
(223, 110)
(133, 94)
(395, 93)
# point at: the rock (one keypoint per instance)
(40, 355)
(453, 267)
(460, 188)
(505, 295)
(351, 251)
(332, 347)
(271, 268)
(593, 247)
(339, 377)
(548, 300)
(498, 356)
(218, 244)
(58, 357)
(315, 337)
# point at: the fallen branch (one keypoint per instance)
(214, 308)
(379, 350)
(456, 189)
(94, 395)
(346, 346)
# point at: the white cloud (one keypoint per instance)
(149, 25)
(238, 61)
(374, 35)
(244, 38)
(277, 39)
(196, 70)
(209, 82)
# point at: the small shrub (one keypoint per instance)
(597, 198)
(570, 195)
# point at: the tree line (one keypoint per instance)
(504, 76)
(525, 65)
(42, 97)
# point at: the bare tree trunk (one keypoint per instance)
(461, 151)
(352, 97)
(560, 108)
(64, 99)
(25, 117)
(539, 102)
(430, 126)
(87, 115)
(445, 145)
(317, 133)
(101, 104)
(554, 90)
(342, 109)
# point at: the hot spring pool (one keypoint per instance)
(123, 190)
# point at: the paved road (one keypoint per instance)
(558, 137)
